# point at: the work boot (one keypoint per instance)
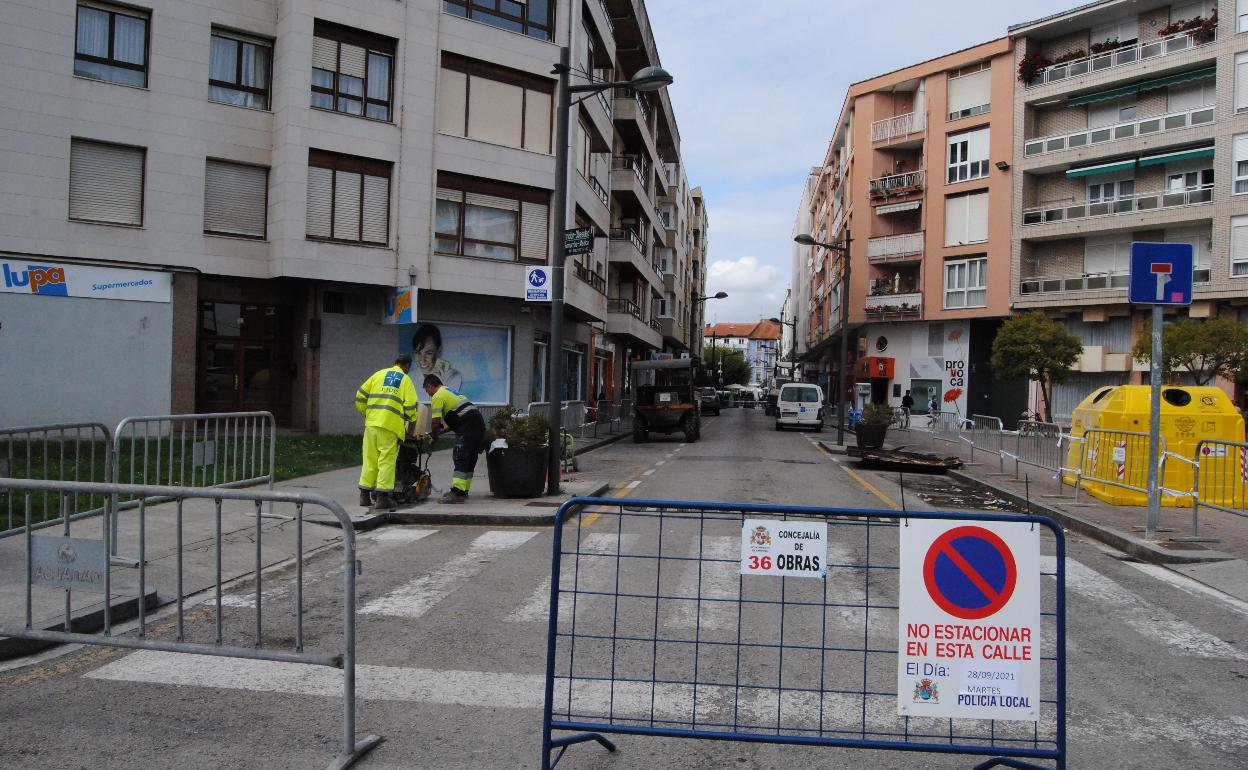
(385, 502)
(366, 498)
(453, 497)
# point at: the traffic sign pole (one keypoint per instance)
(1153, 518)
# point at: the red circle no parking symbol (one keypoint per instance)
(970, 572)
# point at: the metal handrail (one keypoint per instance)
(884, 185)
(1119, 57)
(898, 125)
(622, 305)
(632, 236)
(899, 245)
(590, 277)
(1171, 121)
(1127, 204)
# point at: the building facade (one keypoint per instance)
(1131, 124)
(759, 342)
(254, 205)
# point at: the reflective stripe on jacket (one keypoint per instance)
(387, 400)
(448, 406)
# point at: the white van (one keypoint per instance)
(800, 404)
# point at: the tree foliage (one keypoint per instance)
(1038, 348)
(1207, 347)
(736, 368)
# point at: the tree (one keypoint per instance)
(1207, 347)
(1038, 348)
(736, 368)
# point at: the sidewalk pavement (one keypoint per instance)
(241, 559)
(1221, 564)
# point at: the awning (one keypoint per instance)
(896, 207)
(1101, 96)
(1175, 157)
(1182, 77)
(1104, 168)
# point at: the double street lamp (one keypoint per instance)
(843, 249)
(645, 79)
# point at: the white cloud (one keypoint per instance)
(755, 290)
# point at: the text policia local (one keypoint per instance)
(959, 642)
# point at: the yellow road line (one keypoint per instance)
(856, 476)
(597, 514)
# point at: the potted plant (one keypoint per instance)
(517, 467)
(1105, 46)
(1030, 66)
(873, 426)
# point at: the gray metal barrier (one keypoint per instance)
(1113, 457)
(987, 435)
(63, 452)
(75, 565)
(945, 426)
(1221, 478)
(1038, 444)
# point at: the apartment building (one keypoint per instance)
(798, 303)
(917, 178)
(225, 206)
(759, 342)
(1131, 124)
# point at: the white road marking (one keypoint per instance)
(632, 485)
(398, 535)
(661, 462)
(1185, 583)
(670, 455)
(593, 574)
(720, 580)
(648, 473)
(1147, 619)
(418, 596)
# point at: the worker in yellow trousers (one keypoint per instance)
(388, 402)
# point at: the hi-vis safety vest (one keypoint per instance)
(387, 400)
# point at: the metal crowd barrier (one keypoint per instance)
(1112, 457)
(1038, 444)
(66, 452)
(80, 565)
(653, 631)
(987, 434)
(945, 426)
(1221, 478)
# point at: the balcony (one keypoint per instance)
(897, 185)
(624, 318)
(672, 329)
(635, 163)
(1120, 57)
(892, 248)
(588, 276)
(632, 236)
(898, 127)
(1131, 129)
(894, 307)
(1131, 204)
(1090, 282)
(624, 306)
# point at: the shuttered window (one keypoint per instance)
(1239, 170)
(491, 220)
(235, 199)
(106, 182)
(348, 198)
(352, 71)
(971, 93)
(966, 219)
(1239, 247)
(496, 105)
(1241, 82)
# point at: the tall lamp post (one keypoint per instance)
(776, 369)
(693, 301)
(843, 248)
(645, 79)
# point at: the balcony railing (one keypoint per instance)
(654, 324)
(595, 280)
(604, 76)
(1120, 57)
(898, 127)
(1090, 282)
(632, 236)
(607, 14)
(624, 306)
(1129, 130)
(897, 184)
(635, 163)
(642, 108)
(1131, 204)
(598, 189)
(892, 246)
(895, 306)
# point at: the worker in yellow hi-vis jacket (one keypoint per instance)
(388, 402)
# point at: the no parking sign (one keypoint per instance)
(969, 620)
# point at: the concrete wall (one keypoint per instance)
(49, 377)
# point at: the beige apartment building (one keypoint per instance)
(1130, 124)
(918, 176)
(224, 206)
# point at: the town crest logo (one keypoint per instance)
(760, 537)
(925, 692)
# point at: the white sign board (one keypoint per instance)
(32, 275)
(537, 284)
(969, 620)
(784, 548)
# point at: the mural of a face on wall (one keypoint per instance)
(471, 360)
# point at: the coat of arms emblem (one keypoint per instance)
(925, 692)
(760, 536)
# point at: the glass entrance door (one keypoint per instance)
(244, 364)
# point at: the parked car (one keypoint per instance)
(799, 404)
(708, 399)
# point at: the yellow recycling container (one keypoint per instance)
(1115, 458)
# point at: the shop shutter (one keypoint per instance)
(534, 229)
(234, 198)
(320, 202)
(376, 209)
(106, 182)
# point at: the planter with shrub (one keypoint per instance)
(519, 468)
(873, 427)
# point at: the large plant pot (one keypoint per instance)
(516, 472)
(870, 436)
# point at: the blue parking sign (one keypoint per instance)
(1161, 274)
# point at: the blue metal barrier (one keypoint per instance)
(653, 631)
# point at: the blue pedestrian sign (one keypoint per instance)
(1161, 274)
(537, 284)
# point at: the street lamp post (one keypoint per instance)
(693, 301)
(775, 375)
(805, 240)
(646, 79)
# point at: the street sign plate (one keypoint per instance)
(537, 284)
(1161, 274)
(579, 240)
(784, 548)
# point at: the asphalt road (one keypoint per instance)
(452, 643)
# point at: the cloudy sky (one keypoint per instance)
(758, 87)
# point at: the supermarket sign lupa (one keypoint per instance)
(31, 275)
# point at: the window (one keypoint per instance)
(106, 182)
(528, 17)
(111, 44)
(1191, 96)
(1243, 21)
(1241, 165)
(351, 71)
(239, 72)
(1113, 190)
(1239, 247)
(496, 105)
(966, 283)
(1115, 33)
(1181, 181)
(968, 156)
(491, 220)
(1241, 82)
(235, 199)
(348, 198)
(1106, 255)
(1111, 111)
(966, 219)
(970, 90)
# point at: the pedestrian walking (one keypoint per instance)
(388, 402)
(454, 412)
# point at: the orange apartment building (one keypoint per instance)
(918, 175)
